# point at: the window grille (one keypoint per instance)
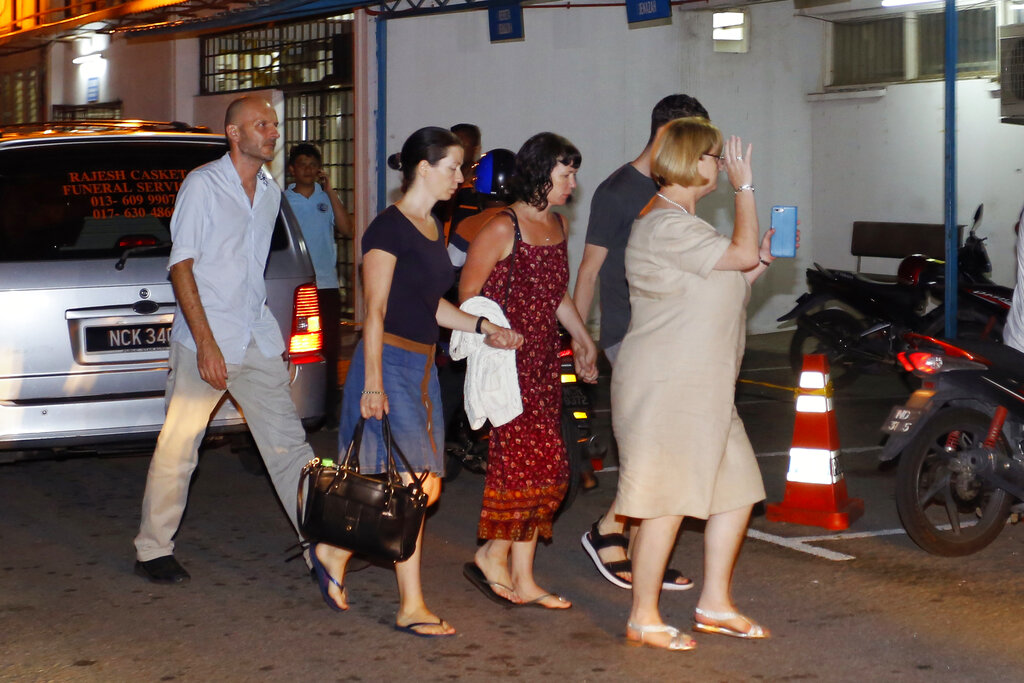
(326, 118)
(868, 51)
(21, 96)
(977, 45)
(910, 47)
(80, 112)
(310, 52)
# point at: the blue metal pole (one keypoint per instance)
(952, 237)
(381, 127)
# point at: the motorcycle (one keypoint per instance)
(868, 338)
(960, 442)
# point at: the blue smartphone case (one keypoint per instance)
(784, 223)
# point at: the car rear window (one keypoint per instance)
(95, 200)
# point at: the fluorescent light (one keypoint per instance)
(732, 33)
(91, 58)
(726, 19)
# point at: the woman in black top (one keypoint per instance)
(405, 271)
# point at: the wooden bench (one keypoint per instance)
(898, 240)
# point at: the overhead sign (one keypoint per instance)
(638, 11)
(506, 22)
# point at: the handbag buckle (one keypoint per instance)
(389, 510)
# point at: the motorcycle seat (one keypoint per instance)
(877, 278)
(903, 296)
(1006, 358)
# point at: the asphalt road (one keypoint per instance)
(72, 610)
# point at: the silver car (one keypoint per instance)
(85, 300)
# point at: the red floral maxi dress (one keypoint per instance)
(527, 466)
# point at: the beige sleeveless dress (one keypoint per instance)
(682, 447)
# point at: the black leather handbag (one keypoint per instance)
(378, 515)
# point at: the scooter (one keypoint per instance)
(864, 333)
(960, 442)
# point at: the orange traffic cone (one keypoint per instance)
(815, 486)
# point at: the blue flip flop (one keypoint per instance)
(411, 629)
(324, 580)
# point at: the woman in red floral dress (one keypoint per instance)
(519, 259)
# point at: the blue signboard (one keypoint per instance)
(647, 10)
(92, 90)
(506, 21)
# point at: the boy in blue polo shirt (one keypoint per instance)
(322, 219)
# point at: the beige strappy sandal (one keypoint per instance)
(679, 641)
(755, 631)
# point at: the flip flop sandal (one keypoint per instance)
(324, 580)
(539, 601)
(756, 631)
(477, 578)
(411, 629)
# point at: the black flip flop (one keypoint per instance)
(477, 578)
(411, 629)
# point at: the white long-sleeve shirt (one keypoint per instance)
(492, 383)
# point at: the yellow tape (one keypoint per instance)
(797, 391)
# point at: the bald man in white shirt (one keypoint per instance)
(224, 337)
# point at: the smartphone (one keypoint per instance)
(784, 224)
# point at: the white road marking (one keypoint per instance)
(857, 449)
(800, 543)
(855, 534)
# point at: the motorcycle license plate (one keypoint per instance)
(901, 419)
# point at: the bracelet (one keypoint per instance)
(766, 263)
(375, 393)
(741, 188)
(479, 324)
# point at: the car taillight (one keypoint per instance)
(307, 338)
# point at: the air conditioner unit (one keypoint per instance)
(1011, 73)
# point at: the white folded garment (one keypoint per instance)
(492, 383)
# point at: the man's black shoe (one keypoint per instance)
(162, 570)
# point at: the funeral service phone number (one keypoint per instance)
(131, 194)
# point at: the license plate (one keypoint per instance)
(127, 338)
(901, 419)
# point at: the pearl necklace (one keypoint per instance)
(675, 204)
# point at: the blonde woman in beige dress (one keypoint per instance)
(682, 447)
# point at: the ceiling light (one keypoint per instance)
(91, 58)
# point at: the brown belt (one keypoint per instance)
(408, 344)
(428, 351)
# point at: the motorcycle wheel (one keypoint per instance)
(574, 451)
(843, 369)
(947, 511)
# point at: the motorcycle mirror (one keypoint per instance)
(978, 213)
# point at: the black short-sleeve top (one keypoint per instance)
(423, 273)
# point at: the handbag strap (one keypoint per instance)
(510, 212)
(351, 461)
